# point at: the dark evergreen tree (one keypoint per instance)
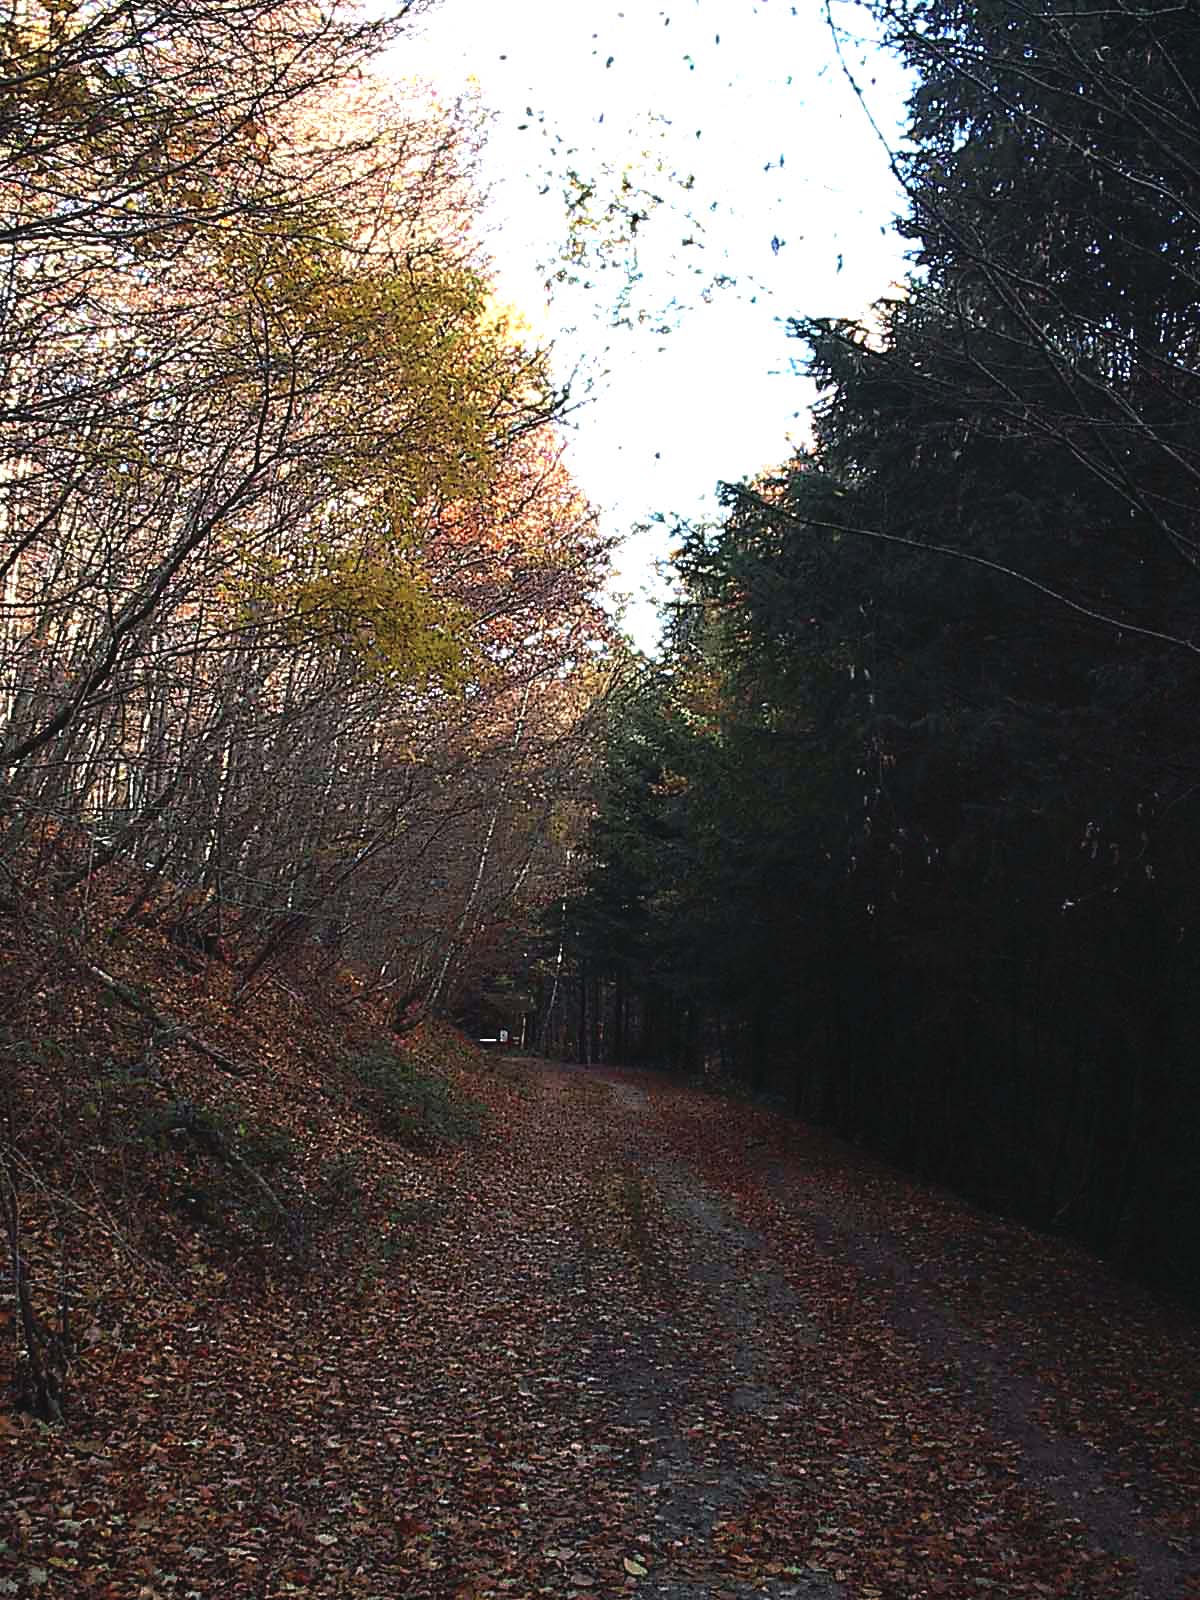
(923, 859)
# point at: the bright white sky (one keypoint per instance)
(792, 191)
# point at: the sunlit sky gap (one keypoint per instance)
(792, 194)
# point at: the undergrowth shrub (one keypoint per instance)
(341, 1182)
(417, 1107)
(225, 1131)
(265, 1146)
(405, 1216)
(233, 1170)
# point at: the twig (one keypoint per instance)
(164, 1024)
(183, 1117)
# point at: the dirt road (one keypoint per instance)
(698, 1352)
(636, 1342)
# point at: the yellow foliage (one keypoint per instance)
(410, 390)
(382, 614)
(419, 385)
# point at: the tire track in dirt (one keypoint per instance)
(723, 1266)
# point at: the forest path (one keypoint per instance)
(636, 1341)
(731, 1358)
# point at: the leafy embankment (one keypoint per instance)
(378, 1317)
(183, 1159)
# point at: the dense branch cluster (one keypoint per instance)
(287, 554)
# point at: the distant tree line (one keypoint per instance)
(903, 826)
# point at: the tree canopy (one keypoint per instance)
(297, 596)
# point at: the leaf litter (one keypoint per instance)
(641, 1341)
